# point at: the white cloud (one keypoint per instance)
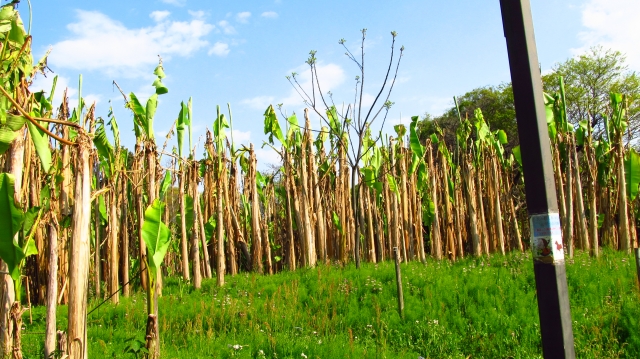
(226, 27)
(158, 16)
(270, 14)
(243, 17)
(175, 2)
(241, 137)
(90, 99)
(45, 84)
(267, 156)
(197, 14)
(258, 102)
(613, 24)
(331, 76)
(219, 49)
(100, 43)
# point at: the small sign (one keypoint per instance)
(546, 238)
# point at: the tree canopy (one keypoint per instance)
(588, 80)
(496, 103)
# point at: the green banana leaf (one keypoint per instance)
(152, 105)
(166, 183)
(9, 125)
(272, 127)
(632, 173)
(156, 236)
(11, 220)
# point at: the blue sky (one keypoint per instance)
(239, 52)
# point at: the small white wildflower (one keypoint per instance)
(303, 355)
(237, 347)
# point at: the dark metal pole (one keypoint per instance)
(542, 204)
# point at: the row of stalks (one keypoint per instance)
(84, 217)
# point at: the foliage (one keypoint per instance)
(16, 238)
(482, 307)
(588, 80)
(495, 102)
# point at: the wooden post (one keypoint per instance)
(399, 283)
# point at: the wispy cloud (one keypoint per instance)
(219, 49)
(226, 27)
(258, 102)
(45, 84)
(175, 2)
(241, 137)
(97, 42)
(243, 17)
(197, 14)
(158, 16)
(270, 14)
(612, 24)
(331, 77)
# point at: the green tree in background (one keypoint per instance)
(496, 103)
(588, 80)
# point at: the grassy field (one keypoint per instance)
(474, 308)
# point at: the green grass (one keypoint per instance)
(477, 308)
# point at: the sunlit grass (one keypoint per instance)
(478, 307)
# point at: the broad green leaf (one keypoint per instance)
(632, 173)
(334, 122)
(161, 89)
(17, 33)
(428, 212)
(115, 131)
(152, 105)
(189, 121)
(183, 122)
(11, 219)
(293, 135)
(582, 132)
(7, 13)
(45, 197)
(166, 183)
(502, 137)
(188, 205)
(9, 126)
(336, 222)
(272, 127)
(139, 114)
(105, 150)
(41, 143)
(159, 71)
(209, 228)
(102, 208)
(415, 162)
(400, 129)
(393, 186)
(369, 176)
(156, 236)
(414, 140)
(30, 218)
(517, 155)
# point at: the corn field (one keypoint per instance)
(82, 216)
